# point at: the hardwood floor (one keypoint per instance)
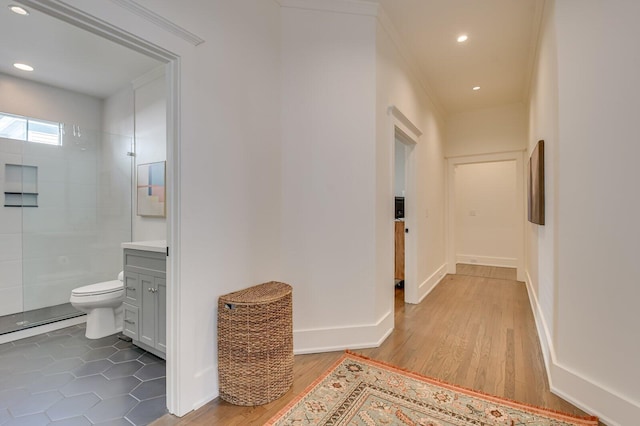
(473, 331)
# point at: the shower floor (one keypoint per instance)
(36, 317)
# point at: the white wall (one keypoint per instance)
(486, 218)
(485, 131)
(328, 171)
(591, 317)
(397, 85)
(49, 250)
(150, 123)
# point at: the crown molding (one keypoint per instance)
(62, 10)
(409, 58)
(160, 21)
(353, 7)
(534, 48)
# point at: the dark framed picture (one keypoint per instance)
(536, 185)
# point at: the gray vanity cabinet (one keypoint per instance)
(145, 304)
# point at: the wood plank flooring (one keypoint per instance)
(473, 331)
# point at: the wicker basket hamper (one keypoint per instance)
(255, 344)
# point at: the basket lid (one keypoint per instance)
(261, 293)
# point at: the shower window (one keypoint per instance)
(29, 129)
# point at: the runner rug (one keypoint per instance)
(360, 391)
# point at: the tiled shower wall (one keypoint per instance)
(73, 237)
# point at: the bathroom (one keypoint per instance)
(73, 134)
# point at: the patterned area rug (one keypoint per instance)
(359, 391)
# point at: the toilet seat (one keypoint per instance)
(105, 287)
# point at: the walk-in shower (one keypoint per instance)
(66, 210)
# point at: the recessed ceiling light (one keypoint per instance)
(462, 38)
(18, 10)
(476, 88)
(23, 67)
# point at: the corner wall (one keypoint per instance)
(397, 85)
(584, 103)
(328, 175)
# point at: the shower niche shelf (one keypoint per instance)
(21, 186)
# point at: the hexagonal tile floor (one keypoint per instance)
(64, 378)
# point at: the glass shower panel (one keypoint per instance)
(72, 236)
(11, 299)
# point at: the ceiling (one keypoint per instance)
(66, 56)
(498, 55)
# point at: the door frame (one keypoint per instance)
(110, 31)
(409, 134)
(452, 162)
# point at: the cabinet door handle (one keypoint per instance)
(150, 290)
(128, 321)
(131, 288)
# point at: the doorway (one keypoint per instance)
(403, 145)
(169, 63)
(486, 207)
(399, 192)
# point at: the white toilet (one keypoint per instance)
(102, 303)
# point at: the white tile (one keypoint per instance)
(43, 219)
(82, 170)
(82, 196)
(10, 146)
(10, 300)
(56, 268)
(49, 294)
(10, 220)
(49, 169)
(11, 274)
(52, 194)
(82, 219)
(10, 247)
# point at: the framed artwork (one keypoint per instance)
(150, 189)
(536, 185)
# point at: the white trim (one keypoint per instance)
(204, 378)
(472, 259)
(536, 35)
(148, 77)
(332, 339)
(175, 401)
(573, 386)
(404, 124)
(541, 325)
(432, 282)
(409, 134)
(47, 328)
(353, 7)
(78, 18)
(159, 21)
(452, 162)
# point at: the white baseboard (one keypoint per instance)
(305, 342)
(341, 338)
(204, 380)
(592, 397)
(430, 283)
(472, 259)
(47, 328)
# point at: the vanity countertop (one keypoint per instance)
(158, 246)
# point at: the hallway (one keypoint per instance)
(473, 330)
